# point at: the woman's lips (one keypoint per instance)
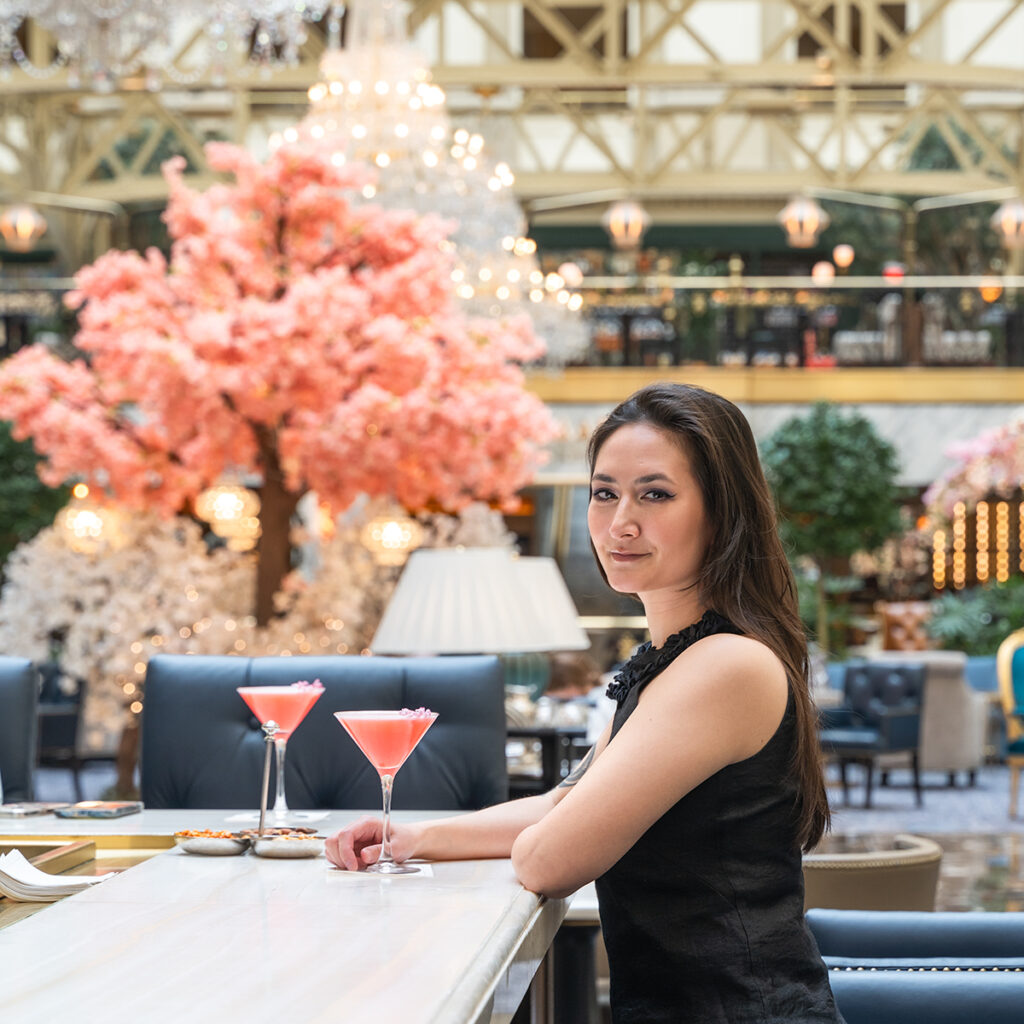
(625, 557)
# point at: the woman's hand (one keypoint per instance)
(357, 846)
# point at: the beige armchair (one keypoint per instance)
(903, 877)
(954, 717)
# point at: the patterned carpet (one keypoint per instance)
(981, 808)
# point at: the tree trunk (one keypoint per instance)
(819, 590)
(273, 550)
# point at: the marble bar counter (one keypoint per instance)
(181, 937)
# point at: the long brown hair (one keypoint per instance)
(746, 576)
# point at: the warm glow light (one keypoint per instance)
(626, 223)
(939, 559)
(981, 541)
(959, 545)
(990, 289)
(87, 526)
(842, 255)
(1008, 222)
(571, 274)
(233, 513)
(894, 271)
(21, 226)
(803, 220)
(823, 273)
(391, 539)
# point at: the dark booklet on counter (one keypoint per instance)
(100, 809)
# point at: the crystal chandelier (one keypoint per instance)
(376, 104)
(102, 41)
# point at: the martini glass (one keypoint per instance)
(286, 707)
(387, 738)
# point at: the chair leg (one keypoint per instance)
(1014, 783)
(952, 780)
(918, 796)
(869, 780)
(843, 781)
(76, 778)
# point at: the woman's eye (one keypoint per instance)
(657, 495)
(601, 494)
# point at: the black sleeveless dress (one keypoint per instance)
(703, 918)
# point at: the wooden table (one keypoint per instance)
(182, 937)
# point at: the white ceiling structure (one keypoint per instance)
(705, 110)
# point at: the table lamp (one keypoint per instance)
(478, 601)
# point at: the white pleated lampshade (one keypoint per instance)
(552, 605)
(478, 601)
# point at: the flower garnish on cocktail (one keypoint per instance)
(387, 738)
(286, 707)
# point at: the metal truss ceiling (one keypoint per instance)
(705, 109)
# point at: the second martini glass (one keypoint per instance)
(387, 738)
(286, 706)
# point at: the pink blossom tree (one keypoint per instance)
(991, 464)
(294, 335)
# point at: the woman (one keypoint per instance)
(692, 808)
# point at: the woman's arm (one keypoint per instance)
(718, 703)
(486, 833)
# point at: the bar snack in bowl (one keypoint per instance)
(211, 842)
(286, 843)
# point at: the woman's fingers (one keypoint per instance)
(344, 849)
(370, 854)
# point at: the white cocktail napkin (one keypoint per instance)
(21, 880)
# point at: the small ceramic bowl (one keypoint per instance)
(212, 846)
(288, 846)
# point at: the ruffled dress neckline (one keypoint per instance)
(649, 661)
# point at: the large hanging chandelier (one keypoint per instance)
(99, 42)
(376, 104)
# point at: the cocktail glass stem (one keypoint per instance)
(280, 803)
(386, 862)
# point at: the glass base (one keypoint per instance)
(389, 867)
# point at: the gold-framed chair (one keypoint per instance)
(1010, 671)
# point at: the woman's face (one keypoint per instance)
(646, 515)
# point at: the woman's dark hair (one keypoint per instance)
(745, 576)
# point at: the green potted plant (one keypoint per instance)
(835, 484)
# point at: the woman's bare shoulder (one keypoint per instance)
(738, 679)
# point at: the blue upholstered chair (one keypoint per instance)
(1010, 669)
(880, 714)
(899, 967)
(19, 692)
(904, 939)
(928, 996)
(202, 747)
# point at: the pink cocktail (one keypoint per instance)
(286, 707)
(387, 738)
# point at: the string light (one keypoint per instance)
(981, 541)
(1002, 541)
(959, 545)
(939, 559)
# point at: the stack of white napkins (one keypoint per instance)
(21, 880)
